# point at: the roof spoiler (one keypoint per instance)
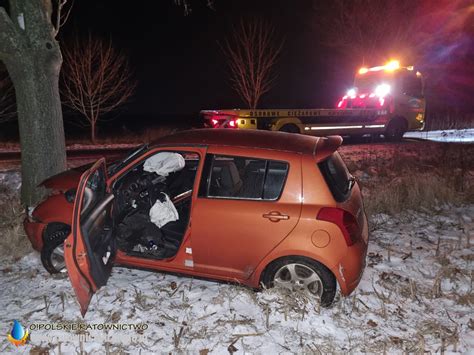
(326, 146)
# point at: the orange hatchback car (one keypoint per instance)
(254, 207)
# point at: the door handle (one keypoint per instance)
(275, 216)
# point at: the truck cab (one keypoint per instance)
(400, 90)
(385, 100)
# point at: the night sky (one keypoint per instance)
(178, 63)
(181, 70)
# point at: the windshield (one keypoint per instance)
(366, 83)
(119, 164)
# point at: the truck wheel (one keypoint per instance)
(395, 130)
(290, 128)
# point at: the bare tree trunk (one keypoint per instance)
(33, 60)
(40, 123)
(93, 132)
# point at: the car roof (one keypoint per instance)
(280, 141)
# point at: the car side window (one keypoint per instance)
(243, 178)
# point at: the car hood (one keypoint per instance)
(66, 180)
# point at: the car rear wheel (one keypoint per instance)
(299, 274)
(52, 254)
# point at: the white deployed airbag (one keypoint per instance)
(164, 163)
(163, 212)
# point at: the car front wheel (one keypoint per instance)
(52, 254)
(300, 274)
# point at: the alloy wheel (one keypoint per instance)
(57, 258)
(299, 277)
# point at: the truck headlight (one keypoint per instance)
(382, 90)
(351, 92)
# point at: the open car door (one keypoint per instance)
(90, 248)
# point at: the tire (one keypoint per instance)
(323, 287)
(395, 130)
(52, 254)
(356, 138)
(290, 128)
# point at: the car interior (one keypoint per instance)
(136, 192)
(141, 193)
(244, 178)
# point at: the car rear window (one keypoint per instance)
(337, 177)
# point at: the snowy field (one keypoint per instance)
(415, 295)
(448, 135)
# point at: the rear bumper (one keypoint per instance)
(34, 231)
(351, 267)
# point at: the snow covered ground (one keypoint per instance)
(449, 135)
(416, 295)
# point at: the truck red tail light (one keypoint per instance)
(222, 121)
(346, 222)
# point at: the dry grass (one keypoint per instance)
(414, 191)
(13, 241)
(403, 177)
(148, 135)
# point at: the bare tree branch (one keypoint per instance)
(251, 53)
(187, 6)
(96, 79)
(370, 30)
(62, 14)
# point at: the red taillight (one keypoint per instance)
(233, 124)
(214, 122)
(344, 220)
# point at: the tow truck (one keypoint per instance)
(385, 99)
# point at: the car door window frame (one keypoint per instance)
(206, 177)
(142, 158)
